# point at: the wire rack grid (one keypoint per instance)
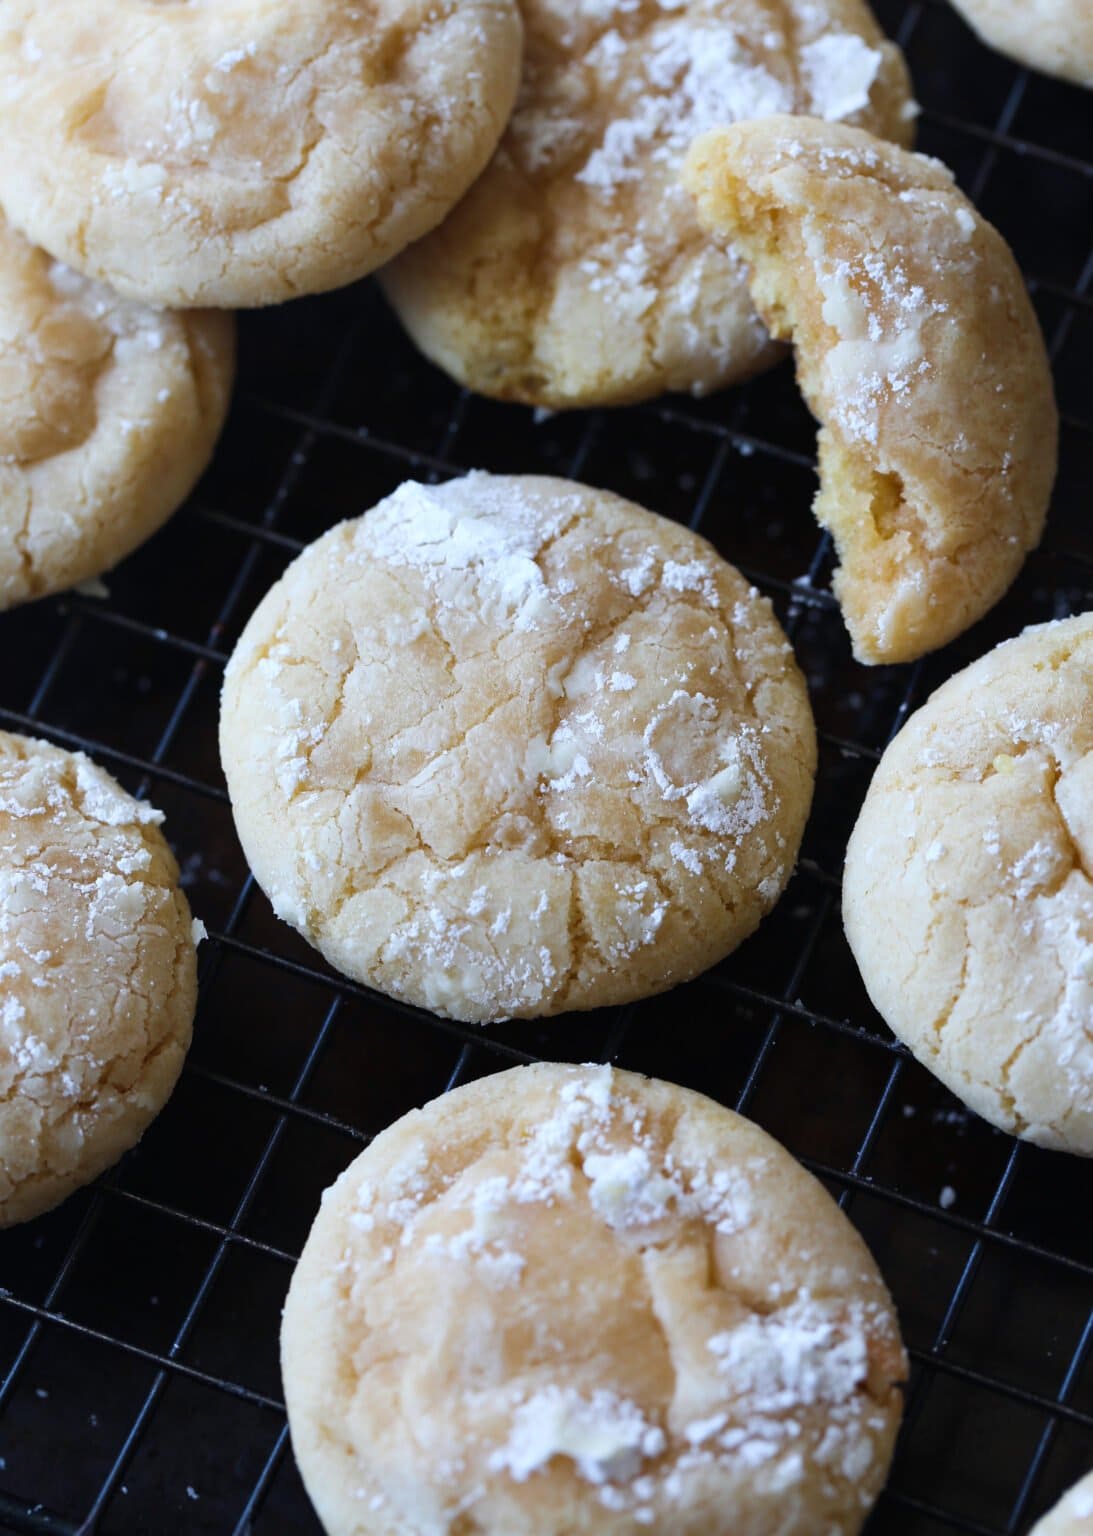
(139, 1388)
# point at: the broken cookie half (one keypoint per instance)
(919, 352)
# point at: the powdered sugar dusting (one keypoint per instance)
(475, 544)
(695, 77)
(810, 1352)
(878, 313)
(697, 73)
(839, 70)
(737, 797)
(459, 966)
(105, 801)
(606, 1437)
(632, 1189)
(631, 1183)
(1068, 1036)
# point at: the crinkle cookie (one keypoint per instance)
(919, 352)
(968, 892)
(1053, 35)
(571, 1299)
(98, 975)
(1073, 1515)
(109, 412)
(234, 152)
(509, 746)
(575, 272)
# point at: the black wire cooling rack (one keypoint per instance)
(139, 1387)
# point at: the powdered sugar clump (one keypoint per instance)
(475, 544)
(810, 1352)
(737, 796)
(606, 1437)
(839, 70)
(632, 1188)
(104, 801)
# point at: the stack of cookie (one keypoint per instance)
(511, 746)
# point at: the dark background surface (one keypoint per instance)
(139, 1386)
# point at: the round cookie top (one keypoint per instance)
(1053, 35)
(97, 973)
(1073, 1515)
(575, 272)
(968, 892)
(509, 745)
(567, 1298)
(897, 294)
(233, 152)
(109, 412)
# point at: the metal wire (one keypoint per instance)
(986, 1350)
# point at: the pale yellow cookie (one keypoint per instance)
(237, 152)
(575, 272)
(97, 973)
(1073, 1515)
(109, 412)
(919, 352)
(968, 892)
(567, 1299)
(1053, 35)
(509, 746)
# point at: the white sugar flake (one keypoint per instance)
(606, 1437)
(475, 546)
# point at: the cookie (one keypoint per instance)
(232, 152)
(97, 973)
(109, 412)
(1055, 36)
(575, 273)
(919, 352)
(1073, 1515)
(968, 892)
(572, 1299)
(509, 746)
